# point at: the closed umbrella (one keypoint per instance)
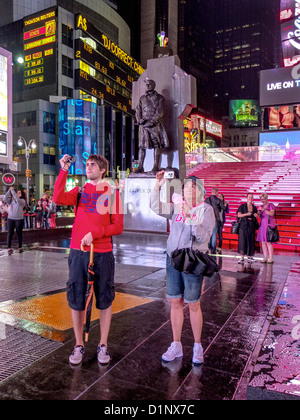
(89, 293)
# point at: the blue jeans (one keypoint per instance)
(181, 285)
(213, 240)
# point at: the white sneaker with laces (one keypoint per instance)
(173, 352)
(198, 358)
(103, 355)
(77, 355)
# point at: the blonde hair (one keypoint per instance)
(264, 195)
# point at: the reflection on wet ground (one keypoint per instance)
(238, 307)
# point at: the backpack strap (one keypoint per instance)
(79, 195)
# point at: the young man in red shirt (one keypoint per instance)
(98, 217)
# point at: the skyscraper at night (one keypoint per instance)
(246, 35)
(188, 25)
(223, 43)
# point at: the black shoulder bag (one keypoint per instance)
(272, 233)
(192, 261)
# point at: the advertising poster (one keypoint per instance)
(244, 113)
(3, 94)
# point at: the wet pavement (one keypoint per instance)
(36, 337)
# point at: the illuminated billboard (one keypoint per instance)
(78, 132)
(290, 31)
(289, 9)
(3, 94)
(289, 139)
(103, 69)
(5, 106)
(279, 86)
(39, 37)
(244, 113)
(282, 117)
(212, 127)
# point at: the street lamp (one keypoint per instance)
(30, 145)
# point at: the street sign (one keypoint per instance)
(8, 179)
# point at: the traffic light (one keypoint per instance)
(28, 173)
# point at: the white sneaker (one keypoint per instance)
(174, 351)
(198, 358)
(103, 355)
(77, 355)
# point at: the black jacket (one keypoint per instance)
(217, 205)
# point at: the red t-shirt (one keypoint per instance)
(99, 212)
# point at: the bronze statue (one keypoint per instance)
(152, 134)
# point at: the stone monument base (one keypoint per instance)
(138, 215)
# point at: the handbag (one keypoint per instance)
(272, 233)
(192, 261)
(235, 226)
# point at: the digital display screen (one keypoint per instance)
(82, 23)
(290, 32)
(279, 86)
(244, 113)
(279, 138)
(3, 144)
(291, 55)
(40, 36)
(3, 94)
(105, 71)
(77, 132)
(288, 9)
(282, 117)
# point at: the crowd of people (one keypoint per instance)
(253, 226)
(15, 213)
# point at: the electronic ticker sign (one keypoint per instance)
(105, 70)
(40, 40)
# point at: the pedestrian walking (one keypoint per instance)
(193, 222)
(15, 217)
(217, 206)
(247, 214)
(98, 217)
(266, 212)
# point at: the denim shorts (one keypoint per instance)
(181, 285)
(104, 288)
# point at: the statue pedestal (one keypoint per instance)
(180, 93)
(138, 215)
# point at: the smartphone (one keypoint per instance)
(72, 159)
(169, 175)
